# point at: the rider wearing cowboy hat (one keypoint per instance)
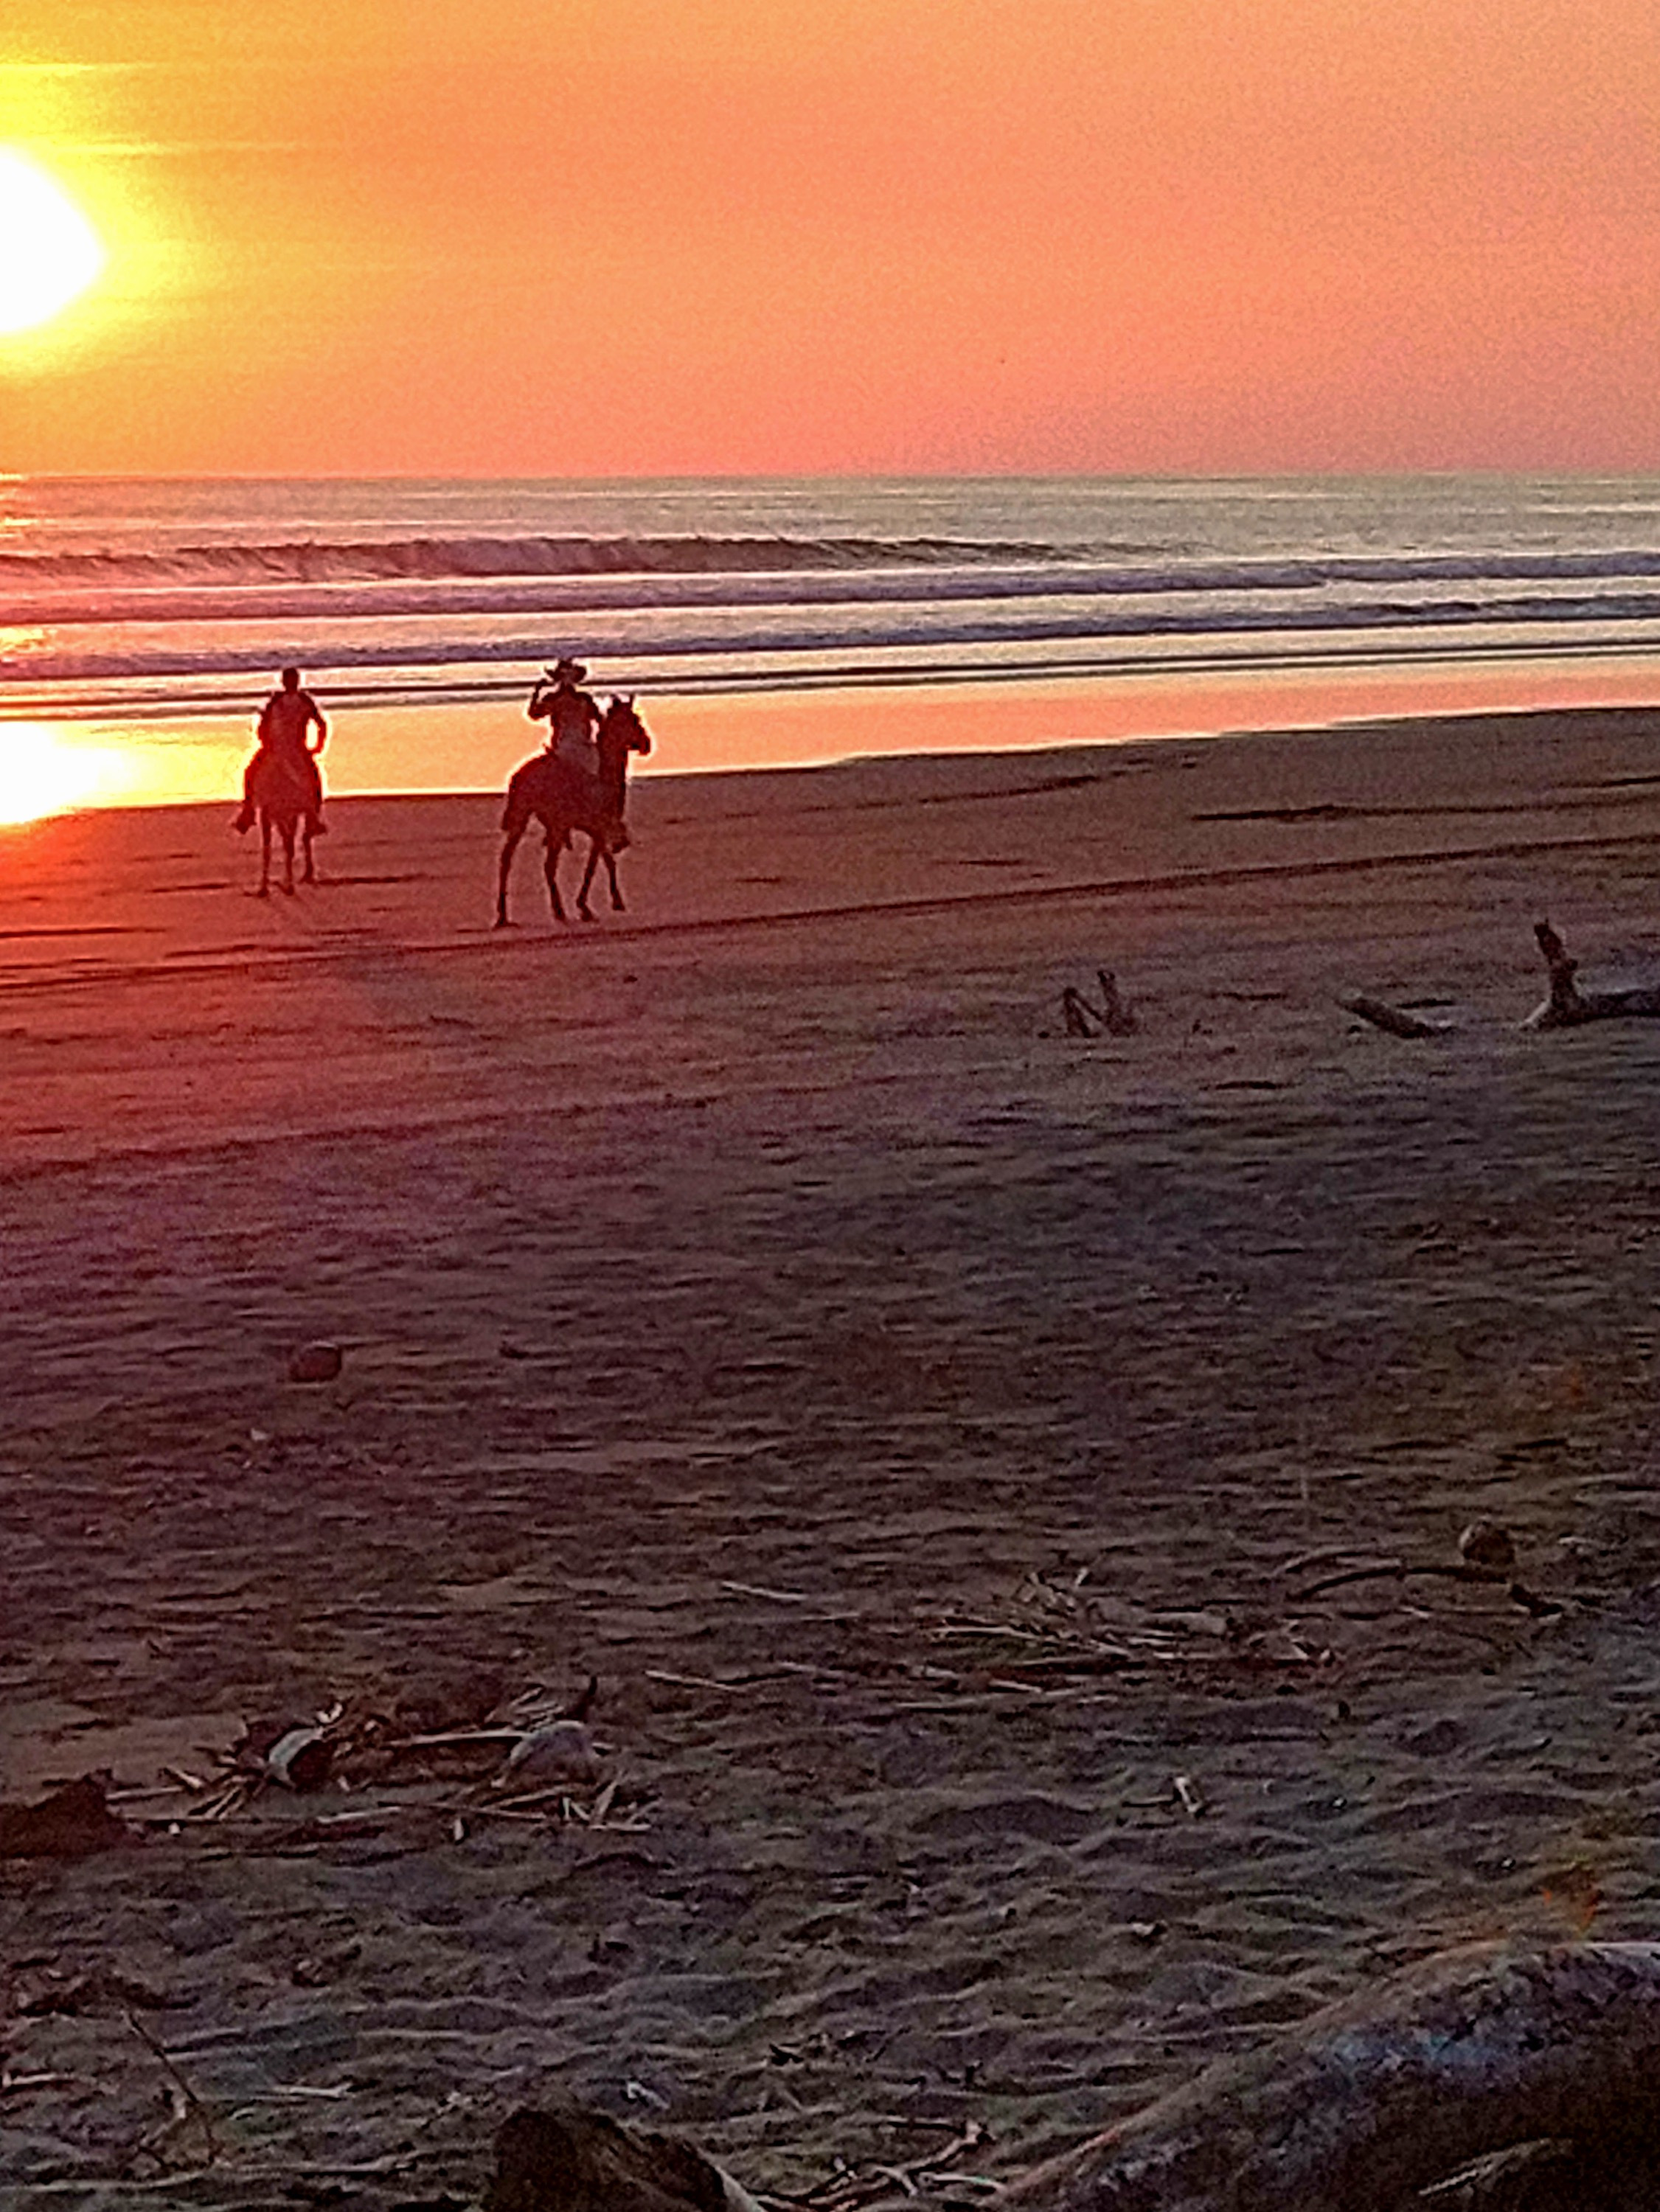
(572, 716)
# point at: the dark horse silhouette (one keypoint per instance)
(285, 794)
(563, 800)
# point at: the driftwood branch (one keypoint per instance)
(1401, 1570)
(1568, 1007)
(1372, 2100)
(1113, 1017)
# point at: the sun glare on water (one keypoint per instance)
(41, 775)
(49, 253)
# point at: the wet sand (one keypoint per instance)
(932, 1430)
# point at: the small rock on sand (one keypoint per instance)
(1485, 1544)
(315, 1362)
(71, 1823)
(563, 1751)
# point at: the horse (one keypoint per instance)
(285, 797)
(562, 799)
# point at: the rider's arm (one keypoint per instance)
(322, 727)
(541, 705)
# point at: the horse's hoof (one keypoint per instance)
(264, 891)
(502, 922)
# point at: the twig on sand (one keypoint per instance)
(1394, 1019)
(189, 2106)
(1403, 1569)
(852, 2186)
(790, 1597)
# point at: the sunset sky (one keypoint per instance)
(612, 237)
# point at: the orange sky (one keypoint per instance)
(614, 237)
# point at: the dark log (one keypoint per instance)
(1372, 2100)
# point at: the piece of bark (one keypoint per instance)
(1373, 2099)
(571, 2160)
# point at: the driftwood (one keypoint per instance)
(1568, 1007)
(1374, 2099)
(1506, 2078)
(1113, 1017)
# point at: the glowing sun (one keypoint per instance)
(49, 253)
(41, 775)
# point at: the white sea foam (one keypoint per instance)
(125, 596)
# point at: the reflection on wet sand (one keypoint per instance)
(45, 770)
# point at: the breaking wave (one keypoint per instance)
(124, 595)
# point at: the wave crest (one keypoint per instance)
(310, 561)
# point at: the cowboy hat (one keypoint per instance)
(566, 667)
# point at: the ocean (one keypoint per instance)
(155, 613)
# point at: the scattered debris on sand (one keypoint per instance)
(529, 1757)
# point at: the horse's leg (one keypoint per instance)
(309, 873)
(265, 856)
(555, 846)
(509, 847)
(617, 905)
(595, 846)
(286, 830)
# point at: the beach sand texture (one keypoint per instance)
(930, 1428)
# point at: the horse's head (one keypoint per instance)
(621, 724)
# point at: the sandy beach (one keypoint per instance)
(952, 1444)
